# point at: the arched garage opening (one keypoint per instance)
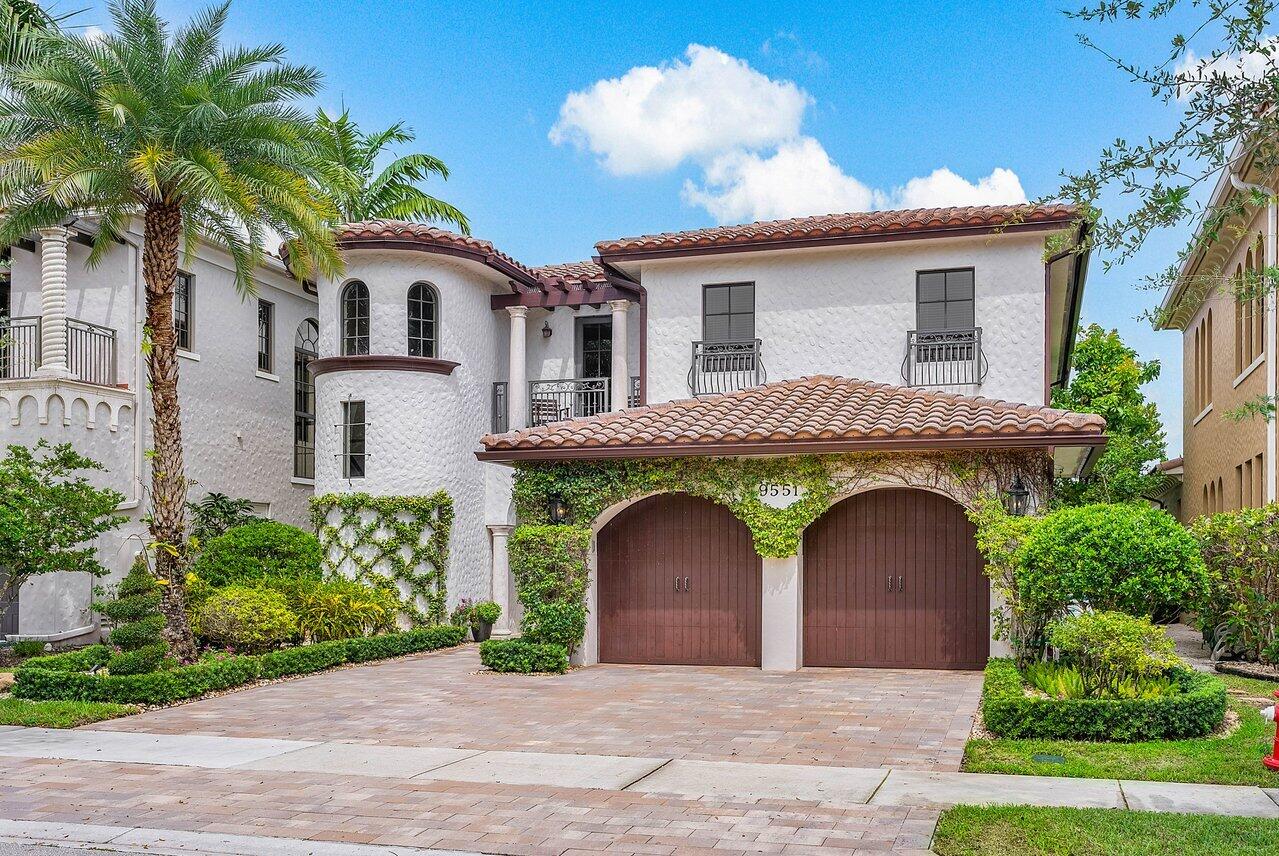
(678, 584)
(892, 578)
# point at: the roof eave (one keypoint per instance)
(763, 448)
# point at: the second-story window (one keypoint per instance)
(728, 312)
(182, 310)
(355, 318)
(424, 309)
(944, 300)
(353, 437)
(1201, 390)
(266, 336)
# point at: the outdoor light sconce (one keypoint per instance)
(1018, 498)
(557, 508)
(546, 330)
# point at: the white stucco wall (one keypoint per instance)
(422, 428)
(847, 310)
(237, 426)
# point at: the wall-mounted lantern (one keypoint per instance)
(546, 330)
(557, 509)
(1017, 497)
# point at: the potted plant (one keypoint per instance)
(483, 616)
(461, 614)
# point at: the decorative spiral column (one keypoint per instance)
(53, 303)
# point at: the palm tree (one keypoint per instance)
(199, 141)
(390, 194)
(19, 20)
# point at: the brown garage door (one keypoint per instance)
(679, 583)
(893, 578)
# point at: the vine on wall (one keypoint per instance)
(402, 539)
(590, 487)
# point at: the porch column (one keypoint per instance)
(620, 381)
(53, 303)
(501, 576)
(781, 641)
(517, 377)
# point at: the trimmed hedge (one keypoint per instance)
(79, 660)
(1009, 712)
(519, 655)
(65, 680)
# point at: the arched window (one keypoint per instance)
(355, 318)
(424, 316)
(306, 344)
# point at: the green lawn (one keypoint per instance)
(1233, 760)
(59, 714)
(1001, 831)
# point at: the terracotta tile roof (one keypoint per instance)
(572, 273)
(428, 237)
(834, 227)
(821, 413)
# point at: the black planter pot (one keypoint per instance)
(481, 631)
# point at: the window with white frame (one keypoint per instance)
(424, 313)
(182, 306)
(355, 319)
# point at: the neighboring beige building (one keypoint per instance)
(1228, 357)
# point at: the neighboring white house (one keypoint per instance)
(433, 340)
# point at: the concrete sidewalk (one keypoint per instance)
(686, 779)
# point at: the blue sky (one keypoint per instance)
(871, 94)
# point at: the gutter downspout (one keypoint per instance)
(1272, 325)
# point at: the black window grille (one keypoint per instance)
(355, 319)
(182, 307)
(424, 314)
(266, 336)
(305, 348)
(353, 439)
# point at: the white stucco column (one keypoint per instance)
(501, 577)
(621, 377)
(781, 641)
(517, 376)
(53, 303)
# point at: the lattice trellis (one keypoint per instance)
(400, 539)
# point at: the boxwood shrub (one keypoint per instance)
(519, 655)
(64, 677)
(1008, 712)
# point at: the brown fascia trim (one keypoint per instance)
(381, 362)
(552, 298)
(492, 260)
(1075, 303)
(792, 447)
(616, 256)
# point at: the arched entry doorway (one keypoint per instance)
(679, 584)
(892, 578)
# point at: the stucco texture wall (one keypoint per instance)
(423, 428)
(847, 310)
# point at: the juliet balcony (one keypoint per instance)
(944, 358)
(726, 367)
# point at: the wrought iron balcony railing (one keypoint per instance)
(725, 367)
(556, 400)
(91, 350)
(944, 358)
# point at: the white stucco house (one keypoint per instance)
(439, 362)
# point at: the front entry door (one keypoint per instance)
(893, 578)
(679, 583)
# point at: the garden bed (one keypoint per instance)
(1256, 671)
(1232, 758)
(1009, 711)
(67, 677)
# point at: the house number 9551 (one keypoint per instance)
(780, 495)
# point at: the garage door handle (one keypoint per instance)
(890, 582)
(899, 583)
(685, 583)
(677, 584)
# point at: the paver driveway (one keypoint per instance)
(911, 719)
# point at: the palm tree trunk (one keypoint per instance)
(161, 234)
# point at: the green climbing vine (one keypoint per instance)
(590, 487)
(404, 539)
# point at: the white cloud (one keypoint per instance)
(652, 119)
(1254, 65)
(94, 34)
(800, 179)
(943, 187)
(788, 49)
(741, 129)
